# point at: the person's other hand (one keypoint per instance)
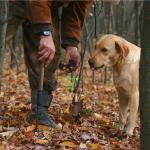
(72, 57)
(46, 49)
(115, 2)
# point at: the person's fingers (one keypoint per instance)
(44, 56)
(41, 47)
(49, 59)
(46, 49)
(67, 58)
(42, 52)
(78, 60)
(75, 59)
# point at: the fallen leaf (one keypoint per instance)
(94, 146)
(59, 126)
(69, 144)
(42, 127)
(83, 146)
(85, 136)
(9, 133)
(5, 146)
(97, 116)
(30, 128)
(41, 141)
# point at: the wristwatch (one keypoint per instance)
(46, 33)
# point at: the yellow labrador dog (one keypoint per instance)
(124, 57)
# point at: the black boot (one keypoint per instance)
(40, 108)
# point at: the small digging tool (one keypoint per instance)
(39, 93)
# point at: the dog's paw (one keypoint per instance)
(121, 126)
(129, 131)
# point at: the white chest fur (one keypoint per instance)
(127, 75)
(133, 57)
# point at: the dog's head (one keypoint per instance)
(109, 50)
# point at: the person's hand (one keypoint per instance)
(72, 57)
(46, 49)
(115, 2)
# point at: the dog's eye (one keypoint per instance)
(104, 50)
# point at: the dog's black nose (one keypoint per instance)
(91, 63)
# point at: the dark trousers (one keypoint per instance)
(31, 43)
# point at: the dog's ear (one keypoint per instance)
(121, 48)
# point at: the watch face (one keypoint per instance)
(46, 33)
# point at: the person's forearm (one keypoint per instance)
(72, 22)
(39, 15)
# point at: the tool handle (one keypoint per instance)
(41, 79)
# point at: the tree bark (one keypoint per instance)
(145, 78)
(15, 47)
(3, 28)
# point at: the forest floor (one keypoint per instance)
(96, 130)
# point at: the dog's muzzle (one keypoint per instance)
(91, 63)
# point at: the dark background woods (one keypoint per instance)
(124, 20)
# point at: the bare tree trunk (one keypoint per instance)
(15, 47)
(145, 78)
(138, 7)
(3, 28)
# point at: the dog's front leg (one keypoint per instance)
(123, 109)
(134, 104)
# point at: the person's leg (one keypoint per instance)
(31, 44)
(15, 19)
